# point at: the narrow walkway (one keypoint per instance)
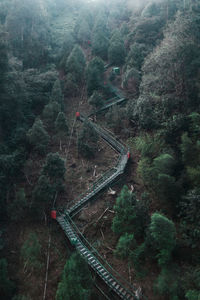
(72, 233)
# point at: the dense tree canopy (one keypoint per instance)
(57, 57)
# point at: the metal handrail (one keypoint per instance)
(72, 230)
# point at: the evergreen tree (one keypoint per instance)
(54, 167)
(116, 50)
(42, 197)
(100, 44)
(87, 141)
(161, 237)
(76, 280)
(189, 208)
(125, 245)
(61, 127)
(50, 112)
(131, 215)
(76, 64)
(84, 33)
(67, 47)
(96, 100)
(94, 75)
(38, 137)
(29, 34)
(56, 94)
(167, 283)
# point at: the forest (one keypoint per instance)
(80, 79)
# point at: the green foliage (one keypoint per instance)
(138, 257)
(100, 45)
(115, 117)
(30, 253)
(75, 64)
(194, 175)
(39, 84)
(87, 141)
(194, 128)
(161, 237)
(164, 163)
(190, 217)
(10, 173)
(50, 112)
(131, 80)
(54, 167)
(149, 146)
(125, 245)
(136, 56)
(38, 137)
(100, 37)
(116, 50)
(42, 196)
(96, 100)
(131, 215)
(186, 149)
(76, 280)
(191, 283)
(84, 24)
(156, 170)
(169, 87)
(94, 75)
(16, 209)
(29, 34)
(193, 295)
(56, 94)
(84, 33)
(71, 85)
(167, 284)
(67, 47)
(7, 287)
(61, 126)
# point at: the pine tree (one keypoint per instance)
(57, 95)
(54, 167)
(161, 237)
(131, 215)
(125, 245)
(100, 44)
(76, 280)
(76, 64)
(116, 50)
(96, 100)
(61, 127)
(42, 197)
(94, 75)
(87, 141)
(38, 137)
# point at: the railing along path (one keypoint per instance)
(70, 229)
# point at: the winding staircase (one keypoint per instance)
(65, 218)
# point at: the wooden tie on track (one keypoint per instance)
(71, 233)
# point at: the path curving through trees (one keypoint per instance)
(94, 260)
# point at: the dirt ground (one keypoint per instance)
(94, 221)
